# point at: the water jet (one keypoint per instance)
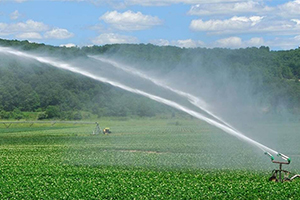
(187, 99)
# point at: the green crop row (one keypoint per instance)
(140, 159)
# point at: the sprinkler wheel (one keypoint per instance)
(277, 173)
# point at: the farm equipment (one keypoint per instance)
(277, 173)
(106, 131)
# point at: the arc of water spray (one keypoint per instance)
(192, 99)
(173, 104)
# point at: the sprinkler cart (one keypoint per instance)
(277, 173)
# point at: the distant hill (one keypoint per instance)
(269, 78)
(224, 76)
(33, 86)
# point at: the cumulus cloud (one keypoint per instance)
(234, 23)
(22, 27)
(161, 42)
(254, 24)
(18, 1)
(229, 8)
(170, 2)
(33, 30)
(291, 8)
(125, 3)
(58, 33)
(113, 38)
(297, 21)
(188, 43)
(231, 42)
(69, 45)
(255, 42)
(236, 42)
(29, 35)
(15, 15)
(130, 21)
(284, 43)
(286, 9)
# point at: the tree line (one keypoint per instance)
(27, 86)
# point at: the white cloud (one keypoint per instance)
(161, 42)
(125, 3)
(188, 43)
(113, 38)
(58, 33)
(279, 27)
(29, 35)
(237, 42)
(291, 8)
(18, 1)
(284, 43)
(170, 2)
(254, 24)
(229, 8)
(297, 21)
(28, 26)
(15, 15)
(231, 42)
(130, 21)
(286, 9)
(255, 42)
(234, 23)
(69, 45)
(33, 30)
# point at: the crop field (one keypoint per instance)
(140, 159)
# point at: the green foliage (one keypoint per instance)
(52, 112)
(34, 87)
(17, 114)
(42, 116)
(269, 76)
(25, 45)
(141, 159)
(4, 114)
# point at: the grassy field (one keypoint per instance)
(141, 159)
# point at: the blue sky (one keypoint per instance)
(183, 23)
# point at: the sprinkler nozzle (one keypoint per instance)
(270, 155)
(284, 157)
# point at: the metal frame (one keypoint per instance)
(280, 171)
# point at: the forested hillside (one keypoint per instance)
(55, 93)
(272, 77)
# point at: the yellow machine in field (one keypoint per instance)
(106, 131)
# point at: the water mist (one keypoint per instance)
(179, 99)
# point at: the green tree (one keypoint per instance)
(53, 112)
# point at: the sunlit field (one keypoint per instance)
(141, 158)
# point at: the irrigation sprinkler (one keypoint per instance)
(279, 172)
(97, 129)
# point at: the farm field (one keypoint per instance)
(141, 159)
